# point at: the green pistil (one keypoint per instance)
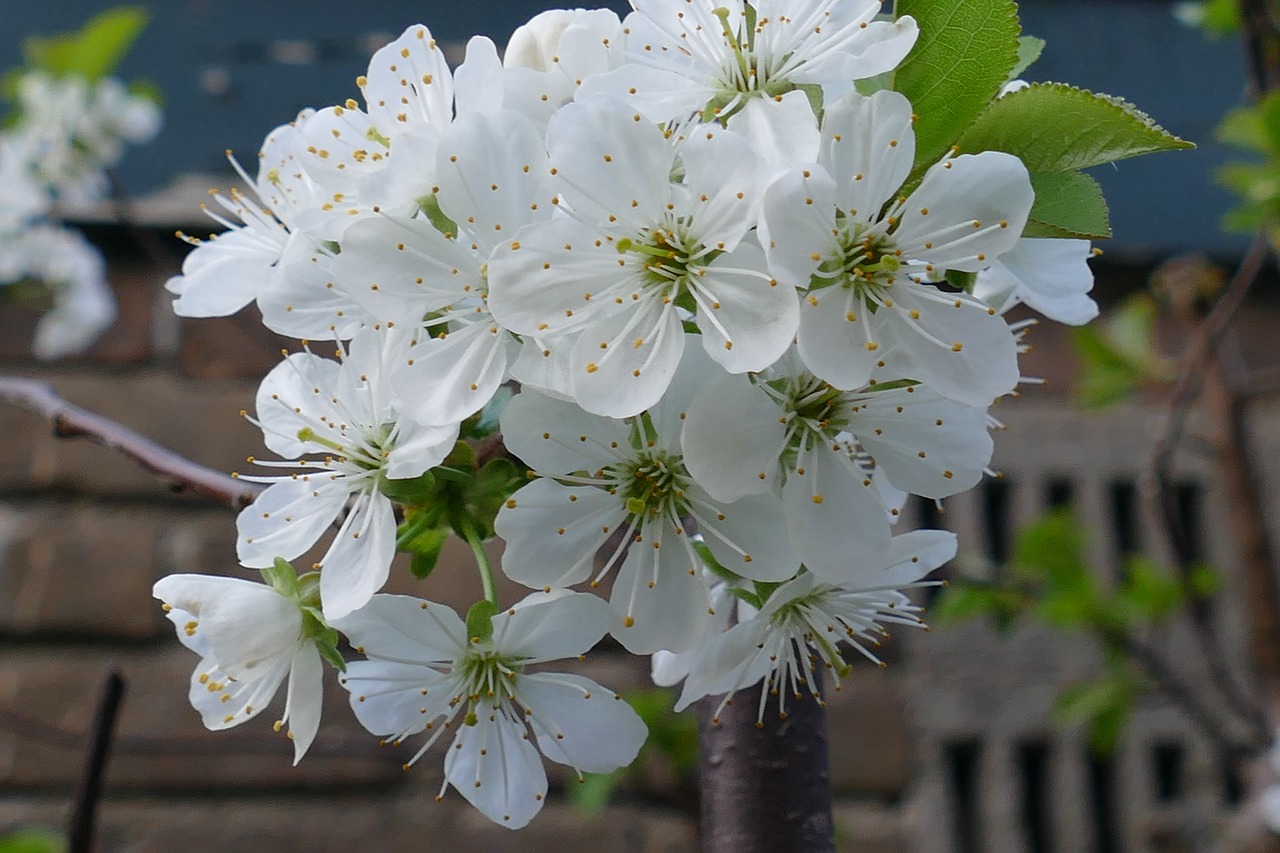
(310, 436)
(652, 487)
(826, 649)
(486, 674)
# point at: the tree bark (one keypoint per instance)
(765, 789)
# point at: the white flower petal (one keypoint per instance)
(658, 600)
(495, 767)
(409, 77)
(288, 518)
(833, 338)
(748, 319)
(622, 364)
(537, 553)
(306, 693)
(608, 162)
(782, 131)
(579, 723)
(868, 146)
(966, 212)
(958, 347)
(732, 439)
(796, 221)
(491, 169)
(749, 537)
(359, 560)
(926, 444)
(556, 437)
(835, 520)
(562, 627)
(400, 627)
(387, 696)
(1052, 276)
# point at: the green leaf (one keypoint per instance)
(1068, 204)
(964, 54)
(1149, 592)
(426, 548)
(32, 841)
(480, 621)
(1205, 581)
(1103, 704)
(1053, 127)
(1105, 378)
(95, 50)
(1217, 17)
(1029, 50)
(1118, 356)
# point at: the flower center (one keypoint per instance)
(486, 676)
(866, 262)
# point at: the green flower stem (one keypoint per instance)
(482, 562)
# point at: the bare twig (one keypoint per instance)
(84, 808)
(70, 421)
(1198, 364)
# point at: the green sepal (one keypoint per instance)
(282, 577)
(423, 562)
(964, 54)
(410, 491)
(326, 639)
(713, 565)
(431, 207)
(961, 280)
(812, 91)
(461, 458)
(308, 591)
(745, 595)
(1029, 50)
(95, 50)
(1053, 127)
(480, 621)
(1067, 205)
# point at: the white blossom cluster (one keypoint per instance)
(695, 243)
(68, 132)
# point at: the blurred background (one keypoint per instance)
(1008, 727)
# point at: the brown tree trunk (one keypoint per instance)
(765, 789)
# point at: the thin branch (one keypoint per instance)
(84, 808)
(70, 421)
(1197, 364)
(1183, 694)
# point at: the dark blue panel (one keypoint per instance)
(1135, 49)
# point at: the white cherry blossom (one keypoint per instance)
(868, 257)
(623, 486)
(428, 673)
(250, 638)
(804, 622)
(343, 410)
(430, 274)
(639, 253)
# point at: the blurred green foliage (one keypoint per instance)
(1049, 580)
